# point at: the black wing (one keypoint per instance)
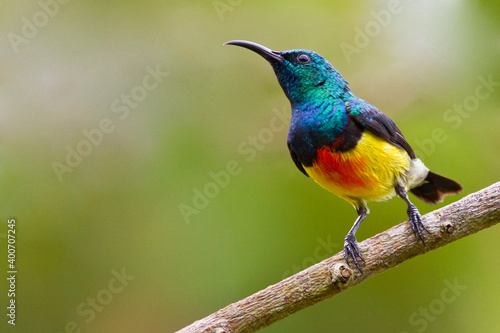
(382, 126)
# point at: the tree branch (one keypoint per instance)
(330, 277)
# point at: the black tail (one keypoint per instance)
(435, 188)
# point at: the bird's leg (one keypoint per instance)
(351, 248)
(413, 214)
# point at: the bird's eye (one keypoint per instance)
(303, 58)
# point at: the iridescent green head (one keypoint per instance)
(304, 75)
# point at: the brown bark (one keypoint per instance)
(469, 215)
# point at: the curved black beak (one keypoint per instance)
(263, 51)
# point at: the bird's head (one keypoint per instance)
(304, 75)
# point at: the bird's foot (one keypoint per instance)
(351, 249)
(416, 222)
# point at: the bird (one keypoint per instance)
(346, 145)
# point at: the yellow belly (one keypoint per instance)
(367, 172)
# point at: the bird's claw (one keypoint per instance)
(351, 249)
(416, 222)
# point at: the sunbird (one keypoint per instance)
(346, 145)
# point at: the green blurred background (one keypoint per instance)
(119, 210)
